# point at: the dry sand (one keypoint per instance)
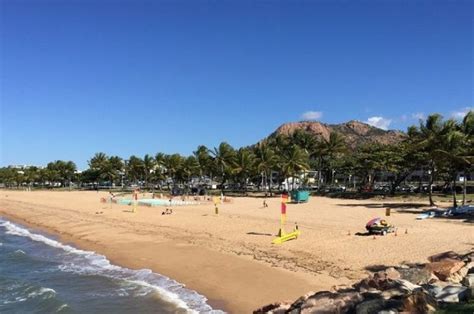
(229, 258)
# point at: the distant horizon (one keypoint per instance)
(137, 77)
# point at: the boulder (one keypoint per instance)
(393, 293)
(392, 273)
(327, 302)
(301, 300)
(381, 280)
(370, 306)
(453, 294)
(401, 287)
(445, 268)
(419, 302)
(416, 275)
(468, 281)
(407, 285)
(445, 255)
(274, 308)
(435, 288)
(458, 276)
(469, 257)
(378, 306)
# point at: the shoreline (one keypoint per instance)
(87, 246)
(211, 292)
(229, 258)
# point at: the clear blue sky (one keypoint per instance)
(131, 77)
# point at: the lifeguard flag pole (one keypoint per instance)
(282, 235)
(135, 200)
(284, 200)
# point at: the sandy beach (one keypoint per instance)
(229, 258)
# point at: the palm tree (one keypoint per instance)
(402, 159)
(115, 169)
(266, 161)
(69, 171)
(328, 149)
(305, 140)
(432, 136)
(135, 169)
(190, 167)
(457, 141)
(148, 167)
(100, 164)
(204, 159)
(105, 168)
(243, 166)
(31, 175)
(308, 142)
(223, 157)
(52, 174)
(98, 161)
(293, 160)
(280, 143)
(159, 173)
(63, 171)
(467, 127)
(172, 164)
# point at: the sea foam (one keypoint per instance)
(89, 262)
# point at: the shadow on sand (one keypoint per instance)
(386, 205)
(260, 234)
(362, 234)
(464, 218)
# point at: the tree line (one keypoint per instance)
(439, 148)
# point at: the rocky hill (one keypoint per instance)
(355, 132)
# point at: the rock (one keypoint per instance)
(378, 306)
(275, 308)
(370, 306)
(392, 293)
(435, 288)
(469, 257)
(401, 288)
(453, 294)
(445, 255)
(301, 300)
(445, 268)
(419, 302)
(327, 302)
(468, 281)
(381, 280)
(407, 286)
(392, 273)
(458, 276)
(416, 275)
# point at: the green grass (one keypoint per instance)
(460, 308)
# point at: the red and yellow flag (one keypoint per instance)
(283, 208)
(284, 200)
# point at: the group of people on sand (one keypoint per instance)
(168, 211)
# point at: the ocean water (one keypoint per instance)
(39, 274)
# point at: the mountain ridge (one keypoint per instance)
(355, 132)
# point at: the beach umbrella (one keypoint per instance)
(373, 222)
